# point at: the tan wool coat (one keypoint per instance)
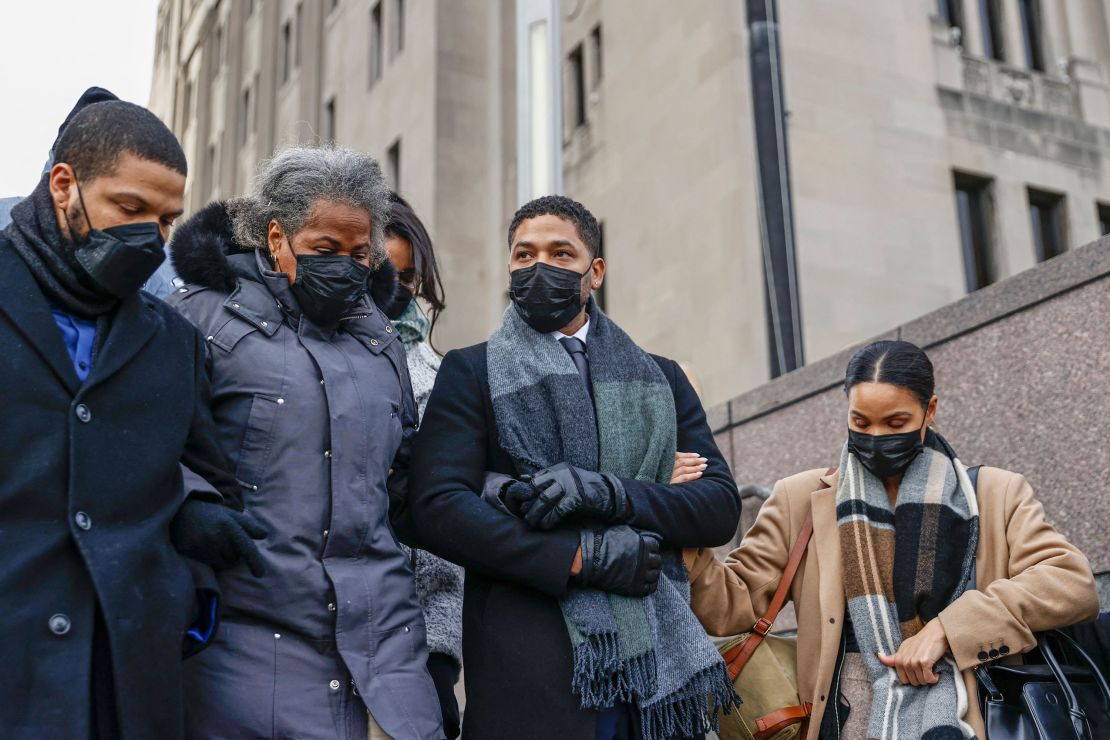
(1028, 579)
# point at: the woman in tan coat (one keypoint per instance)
(889, 627)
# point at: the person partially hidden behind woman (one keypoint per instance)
(439, 584)
(888, 631)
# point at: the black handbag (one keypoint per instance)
(1052, 700)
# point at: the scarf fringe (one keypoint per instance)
(687, 713)
(603, 679)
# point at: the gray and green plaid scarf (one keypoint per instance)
(649, 652)
(903, 564)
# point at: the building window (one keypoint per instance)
(974, 209)
(951, 12)
(599, 294)
(397, 25)
(187, 104)
(286, 53)
(1049, 221)
(576, 102)
(329, 121)
(393, 165)
(246, 120)
(376, 43)
(213, 170)
(218, 51)
(990, 17)
(298, 34)
(1103, 218)
(1030, 11)
(595, 57)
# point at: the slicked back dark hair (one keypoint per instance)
(96, 137)
(568, 210)
(898, 363)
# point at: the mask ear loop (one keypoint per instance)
(81, 198)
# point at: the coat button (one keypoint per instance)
(983, 655)
(59, 624)
(334, 685)
(373, 342)
(1004, 650)
(84, 521)
(389, 330)
(994, 654)
(83, 413)
(832, 620)
(327, 454)
(331, 606)
(265, 324)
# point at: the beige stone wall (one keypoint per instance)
(882, 109)
(665, 161)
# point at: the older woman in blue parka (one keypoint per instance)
(312, 397)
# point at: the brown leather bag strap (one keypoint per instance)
(770, 724)
(739, 656)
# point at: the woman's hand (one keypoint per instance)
(688, 466)
(916, 656)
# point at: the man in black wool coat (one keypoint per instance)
(105, 394)
(536, 533)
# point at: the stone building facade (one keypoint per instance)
(936, 146)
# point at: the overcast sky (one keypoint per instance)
(52, 50)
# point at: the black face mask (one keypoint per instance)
(120, 259)
(547, 297)
(886, 455)
(398, 302)
(328, 286)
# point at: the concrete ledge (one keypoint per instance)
(1065, 273)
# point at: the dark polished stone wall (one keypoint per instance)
(1023, 376)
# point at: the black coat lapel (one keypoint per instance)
(132, 327)
(23, 301)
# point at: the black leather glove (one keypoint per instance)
(564, 492)
(620, 560)
(445, 674)
(518, 496)
(217, 535)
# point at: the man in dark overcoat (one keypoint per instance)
(105, 395)
(595, 531)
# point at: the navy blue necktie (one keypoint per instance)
(576, 348)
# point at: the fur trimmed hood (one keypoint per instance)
(201, 246)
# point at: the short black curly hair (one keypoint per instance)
(96, 137)
(565, 208)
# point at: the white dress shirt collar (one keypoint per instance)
(580, 334)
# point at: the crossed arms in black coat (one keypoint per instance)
(457, 445)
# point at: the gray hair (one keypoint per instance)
(288, 186)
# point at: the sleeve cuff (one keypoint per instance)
(563, 550)
(970, 642)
